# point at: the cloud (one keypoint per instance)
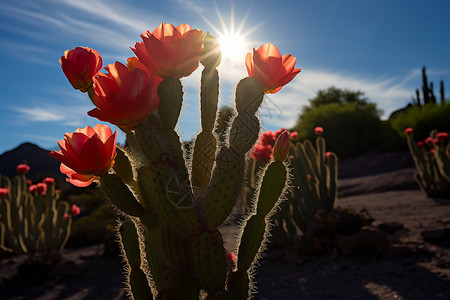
(389, 93)
(73, 115)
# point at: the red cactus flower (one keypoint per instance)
(435, 141)
(49, 180)
(4, 192)
(428, 140)
(420, 144)
(293, 136)
(271, 69)
(33, 188)
(267, 138)
(278, 132)
(75, 210)
(432, 151)
(123, 97)
(408, 131)
(262, 152)
(41, 188)
(86, 154)
(169, 51)
(79, 65)
(318, 131)
(22, 168)
(281, 148)
(29, 182)
(443, 136)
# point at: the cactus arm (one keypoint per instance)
(137, 284)
(205, 143)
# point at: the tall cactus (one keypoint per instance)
(175, 201)
(35, 221)
(314, 188)
(432, 160)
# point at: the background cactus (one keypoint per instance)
(33, 221)
(432, 160)
(314, 188)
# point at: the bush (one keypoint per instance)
(349, 129)
(423, 120)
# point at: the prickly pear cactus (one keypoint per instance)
(432, 160)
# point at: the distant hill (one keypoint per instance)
(40, 162)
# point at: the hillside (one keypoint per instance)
(40, 162)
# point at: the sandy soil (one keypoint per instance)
(415, 264)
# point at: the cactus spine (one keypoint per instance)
(175, 204)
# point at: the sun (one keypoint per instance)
(233, 40)
(233, 46)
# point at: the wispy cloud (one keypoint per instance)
(73, 115)
(388, 93)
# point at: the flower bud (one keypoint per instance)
(408, 131)
(22, 168)
(4, 192)
(281, 148)
(75, 210)
(318, 131)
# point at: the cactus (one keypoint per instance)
(175, 197)
(32, 222)
(314, 188)
(432, 160)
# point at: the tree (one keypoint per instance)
(351, 123)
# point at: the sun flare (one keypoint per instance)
(233, 47)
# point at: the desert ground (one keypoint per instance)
(410, 258)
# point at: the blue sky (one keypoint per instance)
(377, 47)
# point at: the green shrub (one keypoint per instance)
(350, 129)
(423, 120)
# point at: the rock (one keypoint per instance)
(434, 235)
(390, 227)
(398, 251)
(368, 240)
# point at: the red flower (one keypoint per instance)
(271, 70)
(49, 180)
(281, 148)
(123, 97)
(79, 65)
(432, 151)
(262, 152)
(65, 217)
(435, 141)
(22, 168)
(267, 138)
(420, 144)
(33, 188)
(86, 154)
(443, 136)
(170, 52)
(41, 188)
(75, 210)
(408, 131)
(4, 192)
(29, 182)
(293, 135)
(278, 132)
(318, 131)
(428, 140)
